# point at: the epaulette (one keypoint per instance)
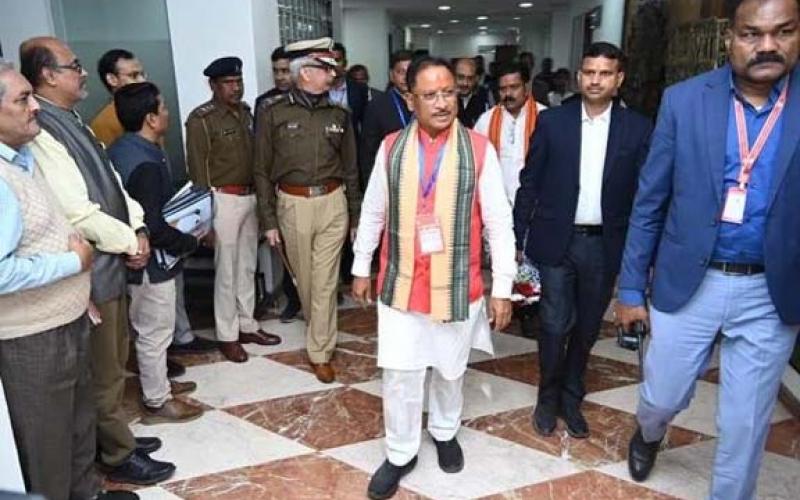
(204, 109)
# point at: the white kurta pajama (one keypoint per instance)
(410, 342)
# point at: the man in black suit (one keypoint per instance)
(280, 74)
(570, 217)
(473, 100)
(386, 113)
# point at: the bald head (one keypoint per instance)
(53, 70)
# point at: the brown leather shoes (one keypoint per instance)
(233, 351)
(181, 387)
(324, 372)
(173, 411)
(260, 337)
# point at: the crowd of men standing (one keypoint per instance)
(328, 170)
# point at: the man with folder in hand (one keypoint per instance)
(716, 215)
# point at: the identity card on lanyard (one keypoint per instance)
(736, 197)
(429, 228)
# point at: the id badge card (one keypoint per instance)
(735, 201)
(429, 233)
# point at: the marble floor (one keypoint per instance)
(271, 430)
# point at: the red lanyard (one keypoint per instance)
(749, 156)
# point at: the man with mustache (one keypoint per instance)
(219, 156)
(713, 236)
(570, 218)
(434, 186)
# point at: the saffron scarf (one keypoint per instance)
(455, 193)
(496, 124)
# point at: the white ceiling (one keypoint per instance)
(501, 13)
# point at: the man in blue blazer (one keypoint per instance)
(571, 214)
(717, 217)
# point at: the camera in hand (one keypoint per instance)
(631, 339)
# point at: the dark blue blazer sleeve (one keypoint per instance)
(525, 199)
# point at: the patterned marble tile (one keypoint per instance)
(362, 346)
(301, 478)
(784, 439)
(215, 442)
(484, 393)
(686, 473)
(350, 367)
(491, 465)
(608, 348)
(608, 442)
(699, 417)
(584, 485)
(156, 493)
(293, 337)
(601, 373)
(358, 321)
(225, 384)
(322, 420)
(505, 345)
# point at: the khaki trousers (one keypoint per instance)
(235, 248)
(313, 231)
(153, 318)
(109, 346)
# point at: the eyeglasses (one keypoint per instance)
(134, 75)
(431, 97)
(75, 66)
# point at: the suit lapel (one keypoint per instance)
(716, 103)
(790, 135)
(615, 135)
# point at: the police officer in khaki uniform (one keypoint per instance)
(219, 156)
(307, 183)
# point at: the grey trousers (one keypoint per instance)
(48, 387)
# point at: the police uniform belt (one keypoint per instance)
(588, 230)
(310, 191)
(236, 189)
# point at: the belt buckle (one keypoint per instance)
(314, 191)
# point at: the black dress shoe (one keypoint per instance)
(116, 495)
(174, 369)
(451, 458)
(197, 345)
(544, 420)
(576, 424)
(289, 312)
(641, 456)
(139, 468)
(386, 480)
(147, 444)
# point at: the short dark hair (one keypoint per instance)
(731, 6)
(422, 63)
(33, 58)
(357, 67)
(108, 64)
(339, 47)
(278, 54)
(400, 56)
(134, 102)
(607, 50)
(509, 68)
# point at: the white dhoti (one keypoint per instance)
(409, 343)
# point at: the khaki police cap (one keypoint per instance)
(319, 49)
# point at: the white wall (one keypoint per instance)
(560, 38)
(20, 20)
(203, 30)
(610, 29)
(365, 34)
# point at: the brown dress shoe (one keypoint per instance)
(173, 411)
(233, 351)
(181, 387)
(324, 372)
(260, 337)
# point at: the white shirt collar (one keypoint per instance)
(605, 116)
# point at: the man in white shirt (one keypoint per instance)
(571, 216)
(434, 186)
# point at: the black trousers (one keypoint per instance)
(575, 295)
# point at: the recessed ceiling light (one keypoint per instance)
(517, 18)
(444, 7)
(454, 21)
(525, 5)
(425, 26)
(483, 28)
(482, 18)
(440, 32)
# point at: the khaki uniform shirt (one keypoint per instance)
(219, 145)
(303, 144)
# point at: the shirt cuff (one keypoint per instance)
(361, 266)
(69, 263)
(630, 297)
(501, 287)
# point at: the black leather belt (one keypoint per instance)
(737, 269)
(588, 230)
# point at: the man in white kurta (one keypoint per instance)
(416, 329)
(511, 134)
